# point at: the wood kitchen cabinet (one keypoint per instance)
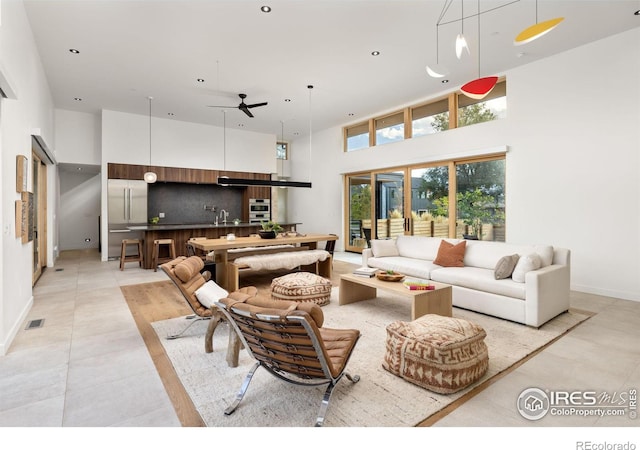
(185, 175)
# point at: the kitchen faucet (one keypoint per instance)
(224, 214)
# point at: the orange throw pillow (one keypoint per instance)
(450, 255)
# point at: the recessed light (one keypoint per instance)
(351, 114)
(375, 53)
(445, 81)
(78, 99)
(265, 9)
(170, 114)
(637, 13)
(241, 125)
(74, 51)
(287, 100)
(200, 80)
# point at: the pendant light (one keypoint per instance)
(222, 180)
(480, 87)
(437, 70)
(535, 31)
(461, 41)
(150, 176)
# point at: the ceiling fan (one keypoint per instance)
(242, 106)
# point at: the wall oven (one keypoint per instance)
(259, 210)
(259, 205)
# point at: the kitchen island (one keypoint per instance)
(181, 233)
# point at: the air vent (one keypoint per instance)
(59, 270)
(37, 323)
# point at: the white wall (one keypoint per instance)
(125, 139)
(31, 109)
(573, 134)
(78, 137)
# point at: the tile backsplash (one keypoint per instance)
(184, 203)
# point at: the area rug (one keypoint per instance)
(380, 399)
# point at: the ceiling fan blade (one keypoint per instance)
(245, 109)
(256, 105)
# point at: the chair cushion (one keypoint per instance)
(338, 345)
(302, 287)
(188, 268)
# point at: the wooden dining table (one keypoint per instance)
(221, 247)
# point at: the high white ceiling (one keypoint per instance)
(130, 50)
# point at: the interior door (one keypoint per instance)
(39, 186)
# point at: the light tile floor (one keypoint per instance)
(88, 366)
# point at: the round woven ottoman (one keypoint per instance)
(442, 354)
(302, 287)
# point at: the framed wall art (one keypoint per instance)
(22, 170)
(18, 218)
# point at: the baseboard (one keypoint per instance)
(624, 295)
(6, 344)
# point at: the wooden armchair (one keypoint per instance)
(288, 340)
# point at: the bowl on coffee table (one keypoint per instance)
(389, 276)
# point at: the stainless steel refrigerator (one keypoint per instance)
(127, 206)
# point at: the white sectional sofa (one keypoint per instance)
(531, 297)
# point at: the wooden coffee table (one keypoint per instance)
(438, 301)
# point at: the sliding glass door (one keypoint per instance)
(430, 201)
(359, 212)
(457, 199)
(389, 204)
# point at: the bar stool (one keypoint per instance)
(124, 258)
(155, 259)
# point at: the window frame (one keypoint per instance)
(453, 207)
(453, 99)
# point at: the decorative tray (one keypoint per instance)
(385, 276)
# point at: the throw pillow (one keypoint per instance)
(384, 247)
(209, 293)
(526, 264)
(450, 255)
(504, 267)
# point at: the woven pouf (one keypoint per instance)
(442, 354)
(302, 287)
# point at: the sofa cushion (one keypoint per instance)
(526, 264)
(209, 293)
(451, 255)
(408, 266)
(505, 266)
(486, 254)
(419, 247)
(479, 279)
(384, 247)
